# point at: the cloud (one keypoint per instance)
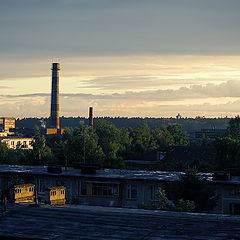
(211, 99)
(5, 87)
(229, 89)
(113, 27)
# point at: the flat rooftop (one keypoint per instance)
(103, 173)
(88, 222)
(118, 174)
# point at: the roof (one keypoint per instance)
(25, 185)
(101, 174)
(55, 188)
(15, 137)
(91, 222)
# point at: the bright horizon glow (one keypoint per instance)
(124, 58)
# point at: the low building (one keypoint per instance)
(115, 187)
(15, 142)
(53, 131)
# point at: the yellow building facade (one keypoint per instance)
(24, 193)
(55, 195)
(15, 142)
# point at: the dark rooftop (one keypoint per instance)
(86, 222)
(105, 173)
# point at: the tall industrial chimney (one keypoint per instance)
(54, 118)
(90, 123)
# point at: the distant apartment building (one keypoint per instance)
(210, 133)
(6, 124)
(15, 142)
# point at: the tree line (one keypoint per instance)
(105, 144)
(188, 124)
(110, 146)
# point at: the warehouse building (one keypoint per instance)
(115, 187)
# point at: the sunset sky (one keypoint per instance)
(147, 58)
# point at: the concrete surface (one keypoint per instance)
(86, 222)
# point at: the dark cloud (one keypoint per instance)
(112, 27)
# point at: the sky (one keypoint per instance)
(131, 58)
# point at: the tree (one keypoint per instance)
(79, 146)
(163, 137)
(180, 137)
(142, 139)
(191, 187)
(162, 199)
(228, 146)
(41, 152)
(109, 140)
(227, 152)
(233, 129)
(184, 206)
(3, 152)
(125, 147)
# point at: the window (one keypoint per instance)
(235, 192)
(131, 191)
(12, 143)
(154, 189)
(30, 189)
(83, 188)
(105, 190)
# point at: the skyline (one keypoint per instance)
(124, 58)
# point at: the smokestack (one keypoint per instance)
(54, 120)
(90, 123)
